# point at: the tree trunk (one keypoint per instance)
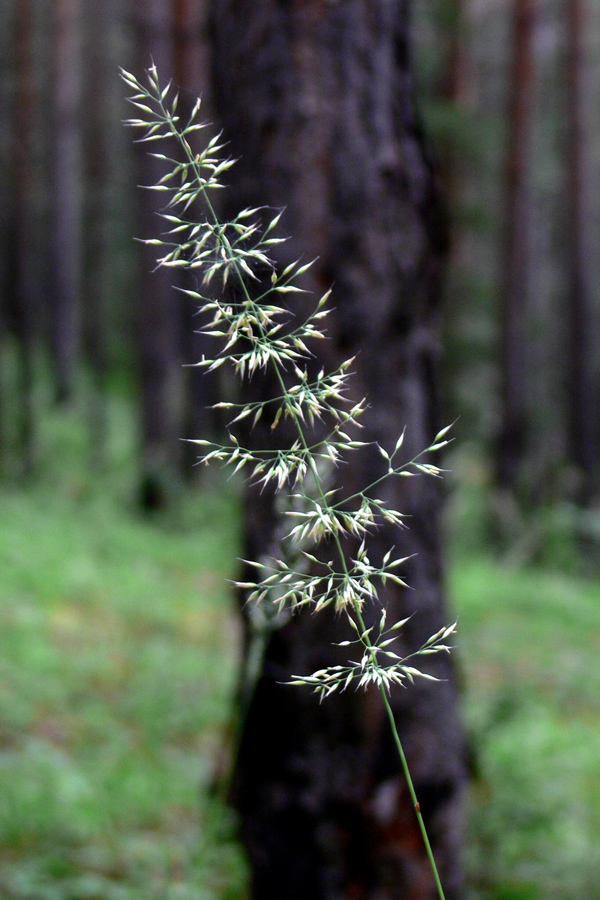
(447, 92)
(514, 252)
(200, 388)
(157, 331)
(96, 150)
(316, 101)
(582, 396)
(66, 225)
(26, 287)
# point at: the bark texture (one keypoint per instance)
(315, 98)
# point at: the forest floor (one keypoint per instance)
(117, 655)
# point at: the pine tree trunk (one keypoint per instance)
(96, 149)
(67, 178)
(157, 324)
(582, 395)
(316, 101)
(191, 66)
(514, 252)
(26, 288)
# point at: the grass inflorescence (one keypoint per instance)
(241, 297)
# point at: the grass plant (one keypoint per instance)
(255, 333)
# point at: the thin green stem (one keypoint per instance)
(381, 479)
(411, 790)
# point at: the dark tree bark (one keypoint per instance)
(191, 65)
(25, 285)
(157, 331)
(96, 142)
(582, 395)
(514, 252)
(67, 193)
(316, 101)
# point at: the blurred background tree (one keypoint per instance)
(517, 133)
(505, 92)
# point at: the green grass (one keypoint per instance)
(530, 648)
(117, 653)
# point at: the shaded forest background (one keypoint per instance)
(507, 94)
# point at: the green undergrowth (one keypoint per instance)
(117, 653)
(530, 649)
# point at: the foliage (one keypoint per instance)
(117, 655)
(256, 332)
(557, 535)
(117, 647)
(529, 650)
